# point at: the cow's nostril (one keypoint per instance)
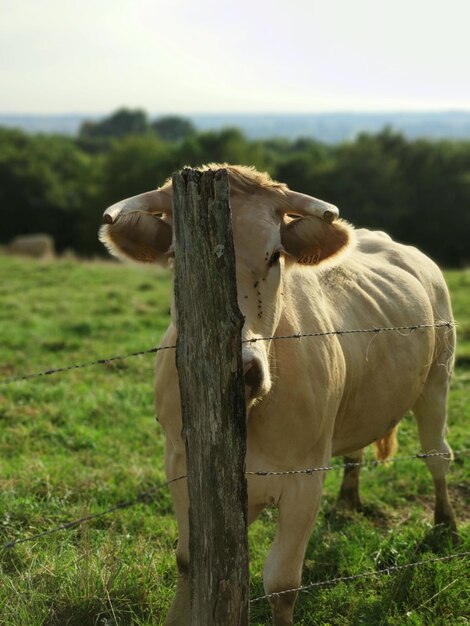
(254, 377)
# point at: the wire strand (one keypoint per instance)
(373, 463)
(124, 504)
(104, 361)
(67, 368)
(386, 570)
(144, 496)
(441, 324)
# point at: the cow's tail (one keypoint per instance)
(387, 446)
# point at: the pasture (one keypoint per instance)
(81, 441)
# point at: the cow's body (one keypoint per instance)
(372, 378)
(316, 397)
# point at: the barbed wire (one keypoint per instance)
(386, 570)
(350, 464)
(145, 496)
(142, 497)
(377, 330)
(104, 361)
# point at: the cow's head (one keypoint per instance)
(274, 229)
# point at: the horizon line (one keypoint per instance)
(246, 113)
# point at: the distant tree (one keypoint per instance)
(120, 124)
(366, 182)
(305, 165)
(173, 127)
(418, 191)
(228, 145)
(47, 185)
(437, 175)
(136, 164)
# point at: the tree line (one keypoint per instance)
(416, 190)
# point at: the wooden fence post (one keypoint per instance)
(208, 357)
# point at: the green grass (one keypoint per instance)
(79, 442)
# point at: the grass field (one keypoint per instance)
(79, 442)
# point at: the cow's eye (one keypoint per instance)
(274, 258)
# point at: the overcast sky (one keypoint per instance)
(186, 56)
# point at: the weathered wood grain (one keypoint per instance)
(210, 372)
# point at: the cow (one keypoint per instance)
(300, 268)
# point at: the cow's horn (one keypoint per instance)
(308, 205)
(150, 202)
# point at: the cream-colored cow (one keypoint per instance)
(299, 268)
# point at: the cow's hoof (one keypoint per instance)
(348, 500)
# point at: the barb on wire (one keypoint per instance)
(14, 379)
(142, 497)
(386, 570)
(372, 463)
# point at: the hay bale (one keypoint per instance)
(37, 246)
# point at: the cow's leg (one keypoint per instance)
(348, 497)
(298, 509)
(178, 615)
(431, 414)
(254, 512)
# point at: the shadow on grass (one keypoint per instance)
(394, 592)
(400, 592)
(439, 540)
(119, 609)
(10, 561)
(338, 518)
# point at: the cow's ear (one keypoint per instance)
(312, 240)
(139, 236)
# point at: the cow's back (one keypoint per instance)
(380, 250)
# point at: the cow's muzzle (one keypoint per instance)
(253, 378)
(257, 377)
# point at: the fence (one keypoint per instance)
(148, 495)
(204, 597)
(299, 335)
